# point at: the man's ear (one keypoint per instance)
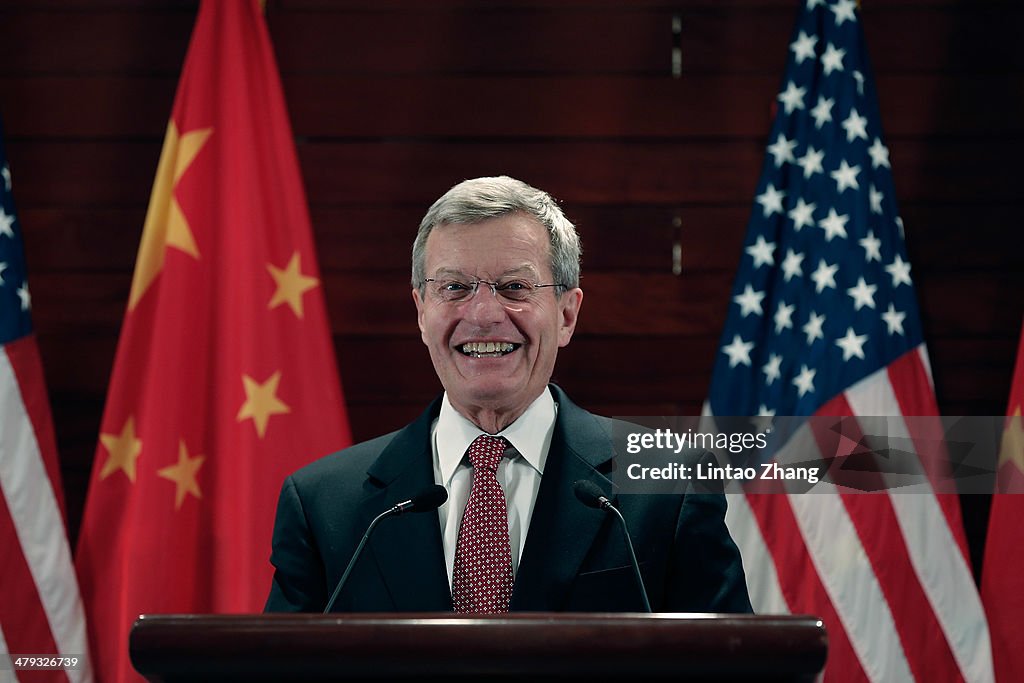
(569, 309)
(419, 313)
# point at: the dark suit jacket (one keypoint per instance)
(574, 557)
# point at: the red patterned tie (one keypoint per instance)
(482, 577)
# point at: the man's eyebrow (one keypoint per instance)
(525, 268)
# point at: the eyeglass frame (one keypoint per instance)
(475, 284)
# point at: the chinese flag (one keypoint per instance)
(1002, 581)
(225, 378)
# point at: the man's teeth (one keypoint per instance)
(487, 348)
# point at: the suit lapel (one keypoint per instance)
(562, 529)
(408, 550)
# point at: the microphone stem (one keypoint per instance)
(355, 556)
(632, 557)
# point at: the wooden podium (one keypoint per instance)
(520, 646)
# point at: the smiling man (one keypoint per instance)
(495, 278)
(491, 310)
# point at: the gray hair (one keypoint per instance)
(480, 199)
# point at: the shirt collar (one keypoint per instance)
(530, 434)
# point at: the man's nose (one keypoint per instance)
(485, 306)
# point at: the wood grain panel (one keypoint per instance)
(81, 239)
(973, 305)
(479, 39)
(591, 38)
(79, 172)
(353, 107)
(77, 363)
(57, 39)
(87, 106)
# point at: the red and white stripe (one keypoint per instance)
(887, 572)
(41, 609)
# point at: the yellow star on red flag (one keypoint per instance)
(165, 224)
(183, 474)
(261, 402)
(123, 450)
(1012, 449)
(291, 284)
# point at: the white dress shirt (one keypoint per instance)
(519, 472)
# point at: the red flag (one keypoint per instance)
(40, 607)
(225, 379)
(1002, 581)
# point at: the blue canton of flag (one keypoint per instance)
(823, 296)
(15, 303)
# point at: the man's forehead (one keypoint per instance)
(452, 249)
(515, 224)
(522, 269)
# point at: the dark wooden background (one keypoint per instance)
(392, 102)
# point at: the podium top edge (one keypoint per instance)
(512, 619)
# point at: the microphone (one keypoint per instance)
(426, 500)
(591, 495)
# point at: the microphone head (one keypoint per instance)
(589, 493)
(429, 499)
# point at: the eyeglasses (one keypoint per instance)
(452, 290)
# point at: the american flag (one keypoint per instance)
(40, 607)
(823, 320)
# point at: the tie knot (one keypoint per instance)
(486, 452)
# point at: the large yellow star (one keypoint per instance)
(291, 284)
(184, 475)
(124, 449)
(1012, 449)
(165, 223)
(261, 402)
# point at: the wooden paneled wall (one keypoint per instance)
(393, 102)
